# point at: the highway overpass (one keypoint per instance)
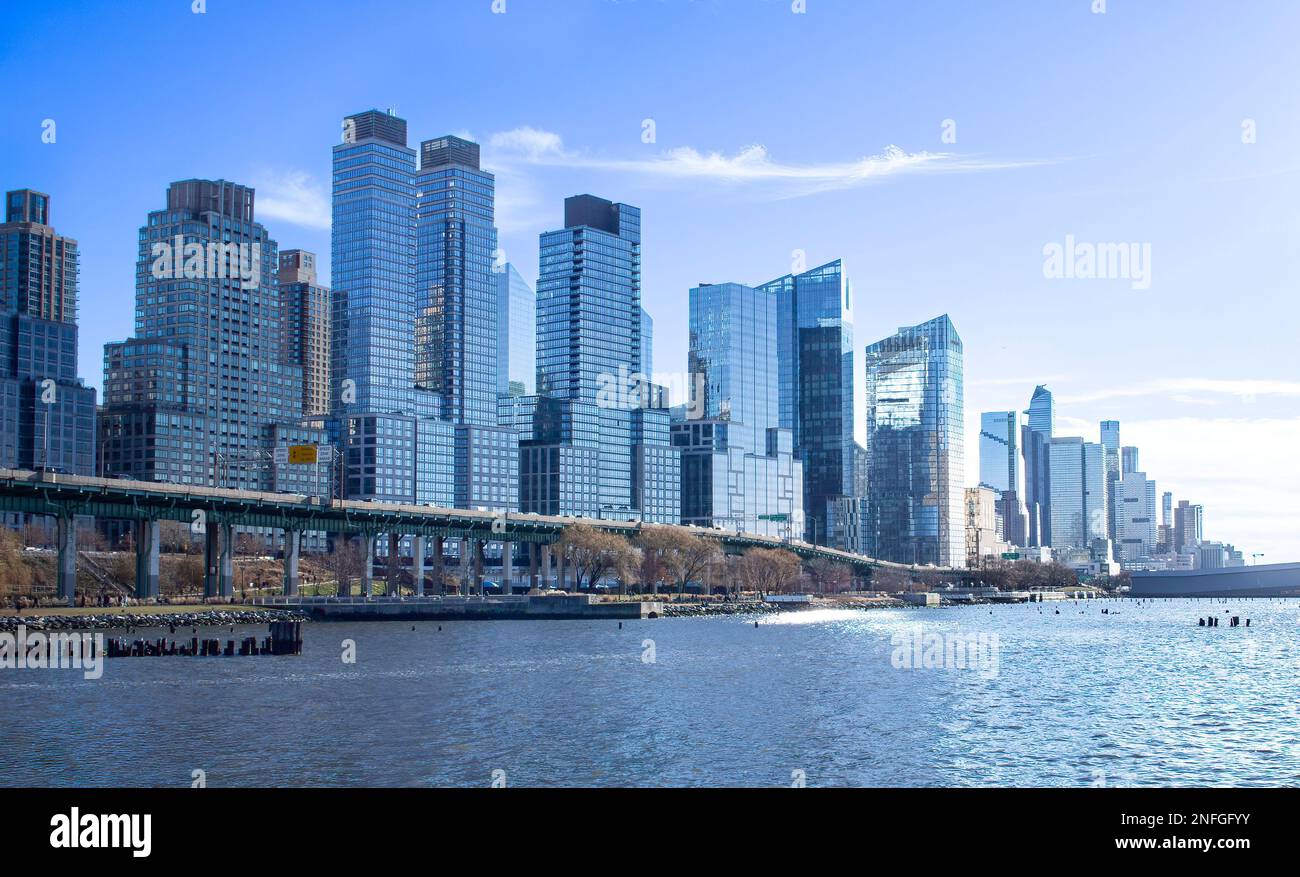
(215, 512)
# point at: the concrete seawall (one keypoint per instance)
(556, 608)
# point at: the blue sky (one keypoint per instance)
(774, 132)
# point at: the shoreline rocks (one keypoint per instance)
(124, 621)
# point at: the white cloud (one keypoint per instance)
(751, 164)
(1180, 389)
(294, 197)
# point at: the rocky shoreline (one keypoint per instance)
(695, 610)
(125, 620)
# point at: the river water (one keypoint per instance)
(1136, 696)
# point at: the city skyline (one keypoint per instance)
(1187, 388)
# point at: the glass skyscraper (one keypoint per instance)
(395, 443)
(1002, 470)
(459, 318)
(916, 494)
(42, 425)
(738, 466)
(592, 443)
(1079, 514)
(1037, 438)
(373, 266)
(1110, 443)
(820, 399)
(195, 396)
(516, 334)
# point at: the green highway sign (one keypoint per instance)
(1011, 555)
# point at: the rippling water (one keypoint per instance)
(1139, 697)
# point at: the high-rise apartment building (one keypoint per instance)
(307, 335)
(592, 441)
(196, 395)
(915, 458)
(47, 415)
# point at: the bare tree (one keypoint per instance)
(595, 554)
(682, 557)
(768, 570)
(829, 576)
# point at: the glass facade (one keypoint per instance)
(738, 466)
(916, 501)
(457, 290)
(1037, 438)
(516, 334)
(1002, 470)
(1079, 513)
(1136, 518)
(41, 425)
(589, 349)
(820, 399)
(373, 266)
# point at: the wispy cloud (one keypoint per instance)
(1181, 389)
(750, 165)
(294, 197)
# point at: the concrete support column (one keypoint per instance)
(394, 568)
(532, 565)
(478, 566)
(368, 564)
(507, 567)
(67, 570)
(545, 578)
(465, 575)
(418, 544)
(147, 538)
(292, 544)
(561, 574)
(438, 586)
(211, 560)
(227, 560)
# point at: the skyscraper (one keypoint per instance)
(373, 266)
(396, 446)
(197, 395)
(1110, 442)
(1078, 493)
(307, 315)
(1002, 470)
(916, 498)
(821, 400)
(459, 318)
(457, 287)
(647, 345)
(1037, 437)
(1189, 526)
(1129, 460)
(1136, 518)
(738, 465)
(516, 333)
(591, 443)
(47, 415)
